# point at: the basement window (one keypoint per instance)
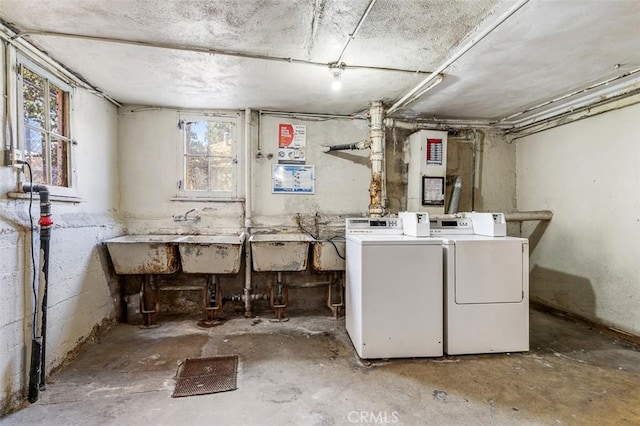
(209, 157)
(44, 124)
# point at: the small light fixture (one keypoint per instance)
(336, 73)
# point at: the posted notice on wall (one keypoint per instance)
(293, 179)
(432, 191)
(292, 143)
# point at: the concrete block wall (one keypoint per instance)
(82, 288)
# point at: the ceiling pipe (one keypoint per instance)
(43, 59)
(411, 95)
(574, 93)
(433, 83)
(353, 34)
(207, 50)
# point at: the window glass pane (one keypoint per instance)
(208, 154)
(59, 162)
(35, 149)
(196, 174)
(221, 174)
(33, 99)
(57, 110)
(220, 137)
(195, 136)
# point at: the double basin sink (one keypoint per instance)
(163, 254)
(220, 254)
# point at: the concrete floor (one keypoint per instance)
(305, 372)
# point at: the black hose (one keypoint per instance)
(336, 247)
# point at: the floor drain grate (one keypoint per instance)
(201, 376)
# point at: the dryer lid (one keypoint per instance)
(489, 271)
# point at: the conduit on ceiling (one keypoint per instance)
(353, 34)
(411, 95)
(207, 50)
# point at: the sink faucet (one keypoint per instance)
(185, 217)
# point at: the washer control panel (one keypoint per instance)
(374, 225)
(451, 226)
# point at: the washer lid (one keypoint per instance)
(373, 239)
(489, 271)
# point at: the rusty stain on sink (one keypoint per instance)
(144, 254)
(328, 255)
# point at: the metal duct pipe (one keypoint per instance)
(247, 212)
(527, 216)
(357, 145)
(455, 196)
(377, 154)
(392, 122)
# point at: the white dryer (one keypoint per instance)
(393, 297)
(486, 288)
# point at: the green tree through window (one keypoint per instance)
(208, 155)
(45, 110)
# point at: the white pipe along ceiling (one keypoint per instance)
(512, 59)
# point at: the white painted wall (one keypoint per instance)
(148, 156)
(342, 185)
(587, 173)
(496, 168)
(79, 281)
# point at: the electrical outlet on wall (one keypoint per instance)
(13, 157)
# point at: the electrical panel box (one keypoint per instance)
(427, 171)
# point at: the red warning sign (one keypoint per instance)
(286, 135)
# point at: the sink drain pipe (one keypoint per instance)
(38, 371)
(247, 212)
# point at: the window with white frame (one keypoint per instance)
(44, 119)
(209, 157)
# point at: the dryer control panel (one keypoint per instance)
(374, 225)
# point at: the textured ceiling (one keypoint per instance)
(545, 49)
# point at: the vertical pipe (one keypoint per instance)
(247, 211)
(45, 223)
(377, 154)
(44, 249)
(474, 164)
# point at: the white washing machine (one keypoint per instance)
(393, 297)
(486, 287)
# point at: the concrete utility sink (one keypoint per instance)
(326, 255)
(144, 254)
(211, 254)
(280, 252)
